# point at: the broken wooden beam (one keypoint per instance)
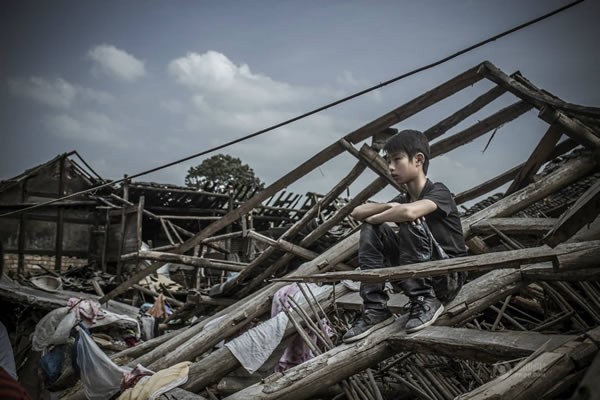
(573, 170)
(578, 131)
(372, 159)
(185, 260)
(539, 372)
(150, 292)
(472, 344)
(521, 87)
(539, 155)
(290, 247)
(584, 251)
(584, 211)
(522, 226)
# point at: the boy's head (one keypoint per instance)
(411, 142)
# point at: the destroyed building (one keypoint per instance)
(525, 324)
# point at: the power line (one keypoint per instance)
(307, 114)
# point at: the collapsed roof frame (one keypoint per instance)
(577, 122)
(559, 114)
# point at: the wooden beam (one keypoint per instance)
(538, 373)
(509, 175)
(533, 226)
(60, 223)
(547, 272)
(490, 123)
(443, 126)
(572, 127)
(472, 344)
(584, 211)
(539, 155)
(572, 171)
(185, 260)
(150, 292)
(518, 86)
(484, 262)
(589, 386)
(372, 159)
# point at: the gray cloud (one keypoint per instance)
(56, 93)
(86, 126)
(116, 63)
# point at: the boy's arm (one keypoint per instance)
(366, 210)
(402, 212)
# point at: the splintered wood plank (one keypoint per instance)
(584, 211)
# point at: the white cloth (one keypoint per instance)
(101, 378)
(55, 327)
(256, 345)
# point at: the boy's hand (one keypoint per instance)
(418, 221)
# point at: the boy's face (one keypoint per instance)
(402, 168)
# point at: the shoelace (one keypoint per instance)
(416, 306)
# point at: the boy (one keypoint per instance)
(427, 210)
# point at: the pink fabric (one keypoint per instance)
(132, 377)
(297, 351)
(85, 310)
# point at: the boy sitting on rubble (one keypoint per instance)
(429, 227)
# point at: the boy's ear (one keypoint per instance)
(420, 158)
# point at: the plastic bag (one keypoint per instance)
(101, 377)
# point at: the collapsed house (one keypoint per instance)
(526, 323)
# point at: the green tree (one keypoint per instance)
(220, 171)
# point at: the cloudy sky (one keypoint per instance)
(132, 85)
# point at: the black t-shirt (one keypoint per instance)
(444, 222)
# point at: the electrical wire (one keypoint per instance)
(307, 114)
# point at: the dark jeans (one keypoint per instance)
(380, 246)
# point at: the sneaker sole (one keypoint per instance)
(383, 323)
(426, 324)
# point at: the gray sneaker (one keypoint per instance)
(422, 312)
(370, 321)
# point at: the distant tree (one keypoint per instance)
(220, 171)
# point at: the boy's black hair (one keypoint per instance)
(411, 142)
